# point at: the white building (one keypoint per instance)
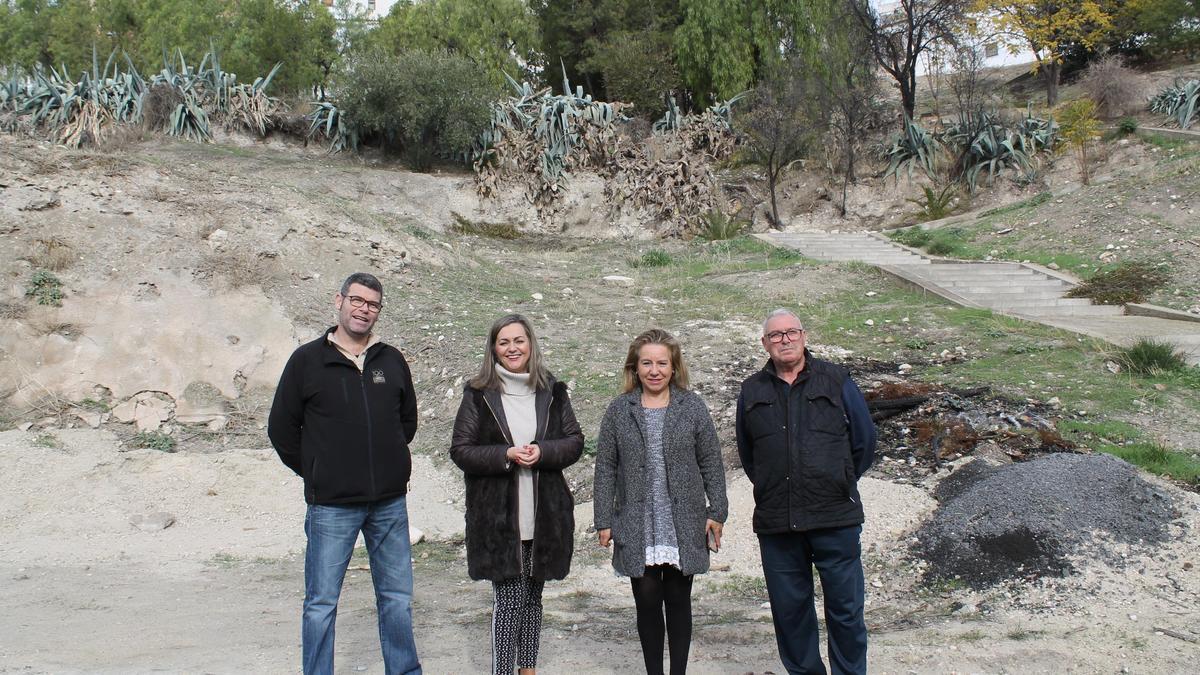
(995, 49)
(374, 10)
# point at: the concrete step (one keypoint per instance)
(1072, 311)
(982, 279)
(858, 254)
(1014, 303)
(872, 259)
(942, 269)
(1017, 284)
(1005, 289)
(985, 266)
(1036, 294)
(868, 245)
(857, 251)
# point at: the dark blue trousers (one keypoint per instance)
(787, 561)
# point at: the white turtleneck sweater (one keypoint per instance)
(518, 399)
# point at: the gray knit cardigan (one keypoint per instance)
(695, 479)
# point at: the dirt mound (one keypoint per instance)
(1029, 520)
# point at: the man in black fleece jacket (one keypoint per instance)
(343, 416)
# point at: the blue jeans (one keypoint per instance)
(332, 531)
(787, 561)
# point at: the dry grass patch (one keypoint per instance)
(52, 254)
(1127, 282)
(12, 309)
(239, 270)
(493, 230)
(123, 137)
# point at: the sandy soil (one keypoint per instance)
(264, 231)
(220, 589)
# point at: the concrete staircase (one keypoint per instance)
(1021, 290)
(1007, 288)
(859, 247)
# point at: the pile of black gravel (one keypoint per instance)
(1023, 521)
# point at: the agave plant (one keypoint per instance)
(723, 110)
(913, 148)
(182, 78)
(14, 89)
(1178, 102)
(983, 144)
(556, 122)
(249, 106)
(326, 120)
(672, 119)
(1037, 134)
(190, 120)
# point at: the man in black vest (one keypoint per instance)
(344, 414)
(805, 437)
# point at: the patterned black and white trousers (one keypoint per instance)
(517, 618)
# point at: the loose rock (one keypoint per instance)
(152, 522)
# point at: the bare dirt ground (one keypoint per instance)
(239, 249)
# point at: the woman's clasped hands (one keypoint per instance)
(524, 455)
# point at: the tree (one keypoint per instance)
(353, 25)
(25, 38)
(190, 26)
(1079, 127)
(251, 35)
(602, 44)
(636, 67)
(498, 36)
(783, 123)
(725, 46)
(900, 38)
(1049, 28)
(265, 32)
(423, 104)
(1156, 27)
(836, 56)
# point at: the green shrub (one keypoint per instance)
(1080, 128)
(717, 226)
(1127, 282)
(941, 247)
(654, 258)
(45, 289)
(1127, 126)
(912, 236)
(935, 204)
(422, 104)
(784, 254)
(154, 440)
(1148, 356)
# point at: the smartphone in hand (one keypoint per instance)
(712, 541)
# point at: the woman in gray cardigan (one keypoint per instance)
(659, 493)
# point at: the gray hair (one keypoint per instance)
(781, 312)
(362, 279)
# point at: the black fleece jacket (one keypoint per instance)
(345, 432)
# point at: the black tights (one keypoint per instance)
(664, 585)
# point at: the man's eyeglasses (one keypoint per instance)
(357, 302)
(792, 335)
